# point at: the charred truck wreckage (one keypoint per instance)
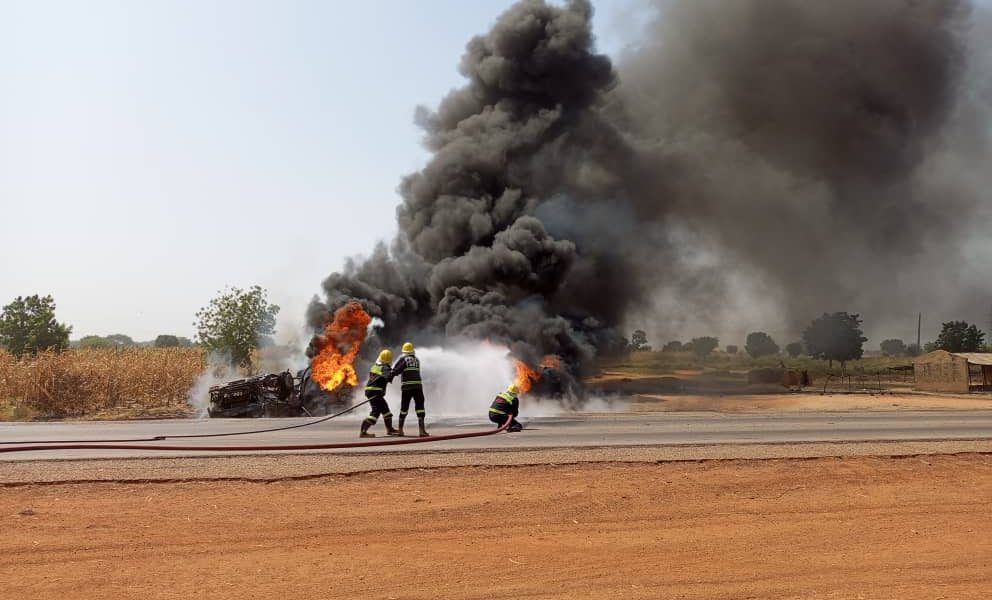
(275, 395)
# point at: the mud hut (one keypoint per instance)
(962, 372)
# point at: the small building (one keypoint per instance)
(963, 372)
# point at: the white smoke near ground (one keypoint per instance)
(217, 372)
(462, 380)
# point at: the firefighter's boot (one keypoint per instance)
(400, 430)
(389, 426)
(423, 430)
(365, 430)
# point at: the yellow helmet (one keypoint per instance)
(513, 389)
(408, 347)
(385, 356)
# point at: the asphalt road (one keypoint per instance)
(572, 431)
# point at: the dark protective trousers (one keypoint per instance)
(417, 395)
(377, 407)
(500, 419)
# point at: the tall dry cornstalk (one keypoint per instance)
(81, 382)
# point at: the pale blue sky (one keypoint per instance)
(153, 152)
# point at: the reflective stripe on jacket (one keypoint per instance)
(379, 376)
(408, 367)
(505, 404)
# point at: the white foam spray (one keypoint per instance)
(462, 380)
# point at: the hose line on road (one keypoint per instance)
(337, 446)
(159, 438)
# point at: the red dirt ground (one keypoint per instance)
(826, 528)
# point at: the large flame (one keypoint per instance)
(526, 376)
(342, 339)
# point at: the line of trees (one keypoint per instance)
(837, 337)
(233, 323)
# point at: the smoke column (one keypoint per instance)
(747, 165)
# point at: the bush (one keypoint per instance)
(702, 346)
(167, 341)
(893, 347)
(760, 344)
(731, 349)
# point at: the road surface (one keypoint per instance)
(572, 431)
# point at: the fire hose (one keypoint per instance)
(38, 446)
(159, 438)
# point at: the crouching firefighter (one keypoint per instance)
(408, 368)
(375, 390)
(505, 407)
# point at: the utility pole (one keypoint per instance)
(990, 323)
(919, 325)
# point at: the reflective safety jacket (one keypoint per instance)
(505, 404)
(379, 376)
(408, 368)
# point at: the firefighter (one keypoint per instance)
(408, 368)
(506, 406)
(375, 390)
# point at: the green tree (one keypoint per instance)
(759, 343)
(167, 341)
(639, 341)
(120, 339)
(794, 349)
(95, 341)
(236, 322)
(959, 336)
(673, 346)
(731, 348)
(836, 336)
(893, 347)
(28, 325)
(702, 346)
(912, 350)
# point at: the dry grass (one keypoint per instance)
(104, 382)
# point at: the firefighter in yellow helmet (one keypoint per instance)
(506, 406)
(380, 374)
(408, 368)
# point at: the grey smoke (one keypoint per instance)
(748, 161)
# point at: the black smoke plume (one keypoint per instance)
(752, 159)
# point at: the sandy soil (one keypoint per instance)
(826, 528)
(806, 401)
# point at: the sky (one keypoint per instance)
(153, 153)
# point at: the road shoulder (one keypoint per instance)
(279, 467)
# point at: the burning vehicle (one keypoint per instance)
(275, 395)
(324, 386)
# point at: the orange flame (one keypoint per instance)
(551, 361)
(527, 376)
(342, 339)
